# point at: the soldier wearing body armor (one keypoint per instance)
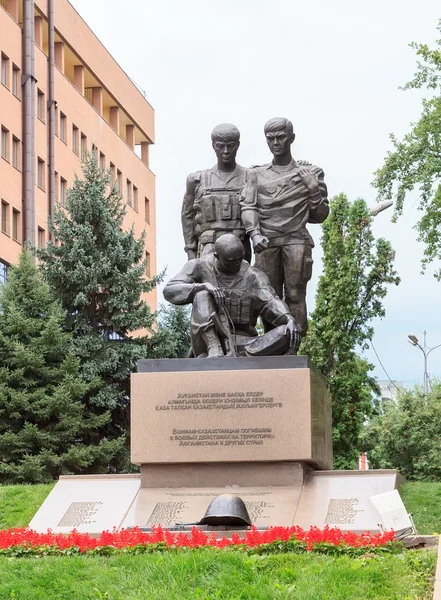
(228, 296)
(211, 205)
(278, 200)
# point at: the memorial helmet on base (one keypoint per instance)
(226, 509)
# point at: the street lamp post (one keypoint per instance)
(412, 339)
(378, 208)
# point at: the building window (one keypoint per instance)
(147, 264)
(63, 189)
(16, 83)
(3, 272)
(119, 181)
(5, 143)
(15, 152)
(57, 128)
(5, 217)
(102, 161)
(41, 174)
(129, 192)
(135, 198)
(63, 131)
(40, 239)
(5, 70)
(40, 105)
(16, 225)
(83, 146)
(147, 210)
(75, 138)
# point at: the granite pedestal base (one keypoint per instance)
(229, 410)
(256, 427)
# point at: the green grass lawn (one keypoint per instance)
(423, 500)
(19, 503)
(205, 574)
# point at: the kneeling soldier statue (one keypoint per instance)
(228, 296)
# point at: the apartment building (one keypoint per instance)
(62, 93)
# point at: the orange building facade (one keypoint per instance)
(62, 93)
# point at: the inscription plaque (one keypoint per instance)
(242, 415)
(166, 513)
(258, 510)
(341, 511)
(79, 513)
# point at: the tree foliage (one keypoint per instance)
(415, 162)
(406, 435)
(97, 270)
(45, 428)
(356, 272)
(172, 336)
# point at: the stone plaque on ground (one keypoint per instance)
(246, 414)
(93, 503)
(166, 507)
(340, 498)
(88, 503)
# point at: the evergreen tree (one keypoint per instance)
(97, 270)
(172, 336)
(356, 270)
(45, 428)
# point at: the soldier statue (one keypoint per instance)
(211, 205)
(278, 200)
(228, 296)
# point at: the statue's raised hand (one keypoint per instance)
(309, 179)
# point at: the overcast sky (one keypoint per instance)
(332, 67)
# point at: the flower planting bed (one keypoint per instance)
(24, 541)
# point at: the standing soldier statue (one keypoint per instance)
(211, 205)
(278, 200)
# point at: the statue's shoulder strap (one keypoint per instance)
(265, 166)
(194, 178)
(314, 168)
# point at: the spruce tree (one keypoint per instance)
(45, 428)
(97, 270)
(172, 335)
(357, 269)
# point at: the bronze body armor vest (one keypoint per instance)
(217, 208)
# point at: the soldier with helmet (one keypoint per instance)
(223, 284)
(211, 205)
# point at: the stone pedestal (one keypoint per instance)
(218, 412)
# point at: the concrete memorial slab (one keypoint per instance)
(168, 506)
(87, 503)
(341, 498)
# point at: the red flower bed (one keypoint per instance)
(275, 539)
